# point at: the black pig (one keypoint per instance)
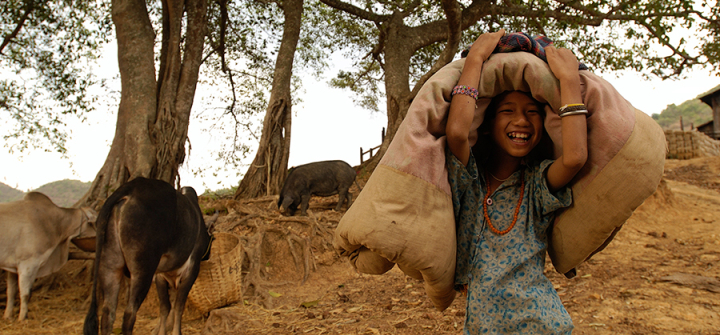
(319, 178)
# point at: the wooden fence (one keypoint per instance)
(371, 150)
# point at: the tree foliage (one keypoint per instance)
(400, 44)
(647, 36)
(693, 112)
(45, 51)
(242, 41)
(395, 45)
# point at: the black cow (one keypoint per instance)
(146, 228)
(319, 178)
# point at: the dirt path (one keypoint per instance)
(659, 276)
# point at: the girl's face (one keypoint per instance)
(518, 124)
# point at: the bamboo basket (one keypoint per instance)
(219, 282)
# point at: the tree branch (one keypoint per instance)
(380, 46)
(223, 32)
(436, 31)
(358, 78)
(351, 9)
(29, 7)
(453, 14)
(589, 16)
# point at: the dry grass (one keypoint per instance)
(622, 290)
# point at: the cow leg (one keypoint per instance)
(12, 289)
(109, 282)
(26, 278)
(139, 286)
(181, 297)
(162, 291)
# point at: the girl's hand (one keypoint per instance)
(563, 63)
(484, 45)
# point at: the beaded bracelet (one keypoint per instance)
(466, 90)
(570, 108)
(568, 113)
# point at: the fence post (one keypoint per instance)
(681, 124)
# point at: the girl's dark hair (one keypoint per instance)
(481, 149)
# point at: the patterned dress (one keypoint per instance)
(507, 290)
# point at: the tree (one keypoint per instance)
(154, 110)
(402, 43)
(267, 171)
(154, 114)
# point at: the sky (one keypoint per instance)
(326, 125)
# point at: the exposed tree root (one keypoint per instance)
(279, 250)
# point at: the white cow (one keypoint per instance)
(34, 241)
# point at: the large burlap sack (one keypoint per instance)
(404, 213)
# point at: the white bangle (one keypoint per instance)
(581, 111)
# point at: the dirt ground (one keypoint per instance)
(660, 275)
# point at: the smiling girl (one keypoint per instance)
(505, 198)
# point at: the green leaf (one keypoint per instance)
(274, 294)
(309, 304)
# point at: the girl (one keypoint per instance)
(504, 202)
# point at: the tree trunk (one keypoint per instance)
(402, 42)
(267, 171)
(399, 96)
(153, 115)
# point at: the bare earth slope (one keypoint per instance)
(661, 275)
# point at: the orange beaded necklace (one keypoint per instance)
(517, 209)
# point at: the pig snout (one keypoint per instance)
(285, 206)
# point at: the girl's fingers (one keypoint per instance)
(486, 43)
(562, 62)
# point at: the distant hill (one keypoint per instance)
(63, 193)
(8, 193)
(694, 112)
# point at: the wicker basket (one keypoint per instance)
(219, 282)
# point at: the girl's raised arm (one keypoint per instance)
(462, 106)
(564, 66)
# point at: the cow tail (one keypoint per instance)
(91, 319)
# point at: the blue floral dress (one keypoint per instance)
(507, 290)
